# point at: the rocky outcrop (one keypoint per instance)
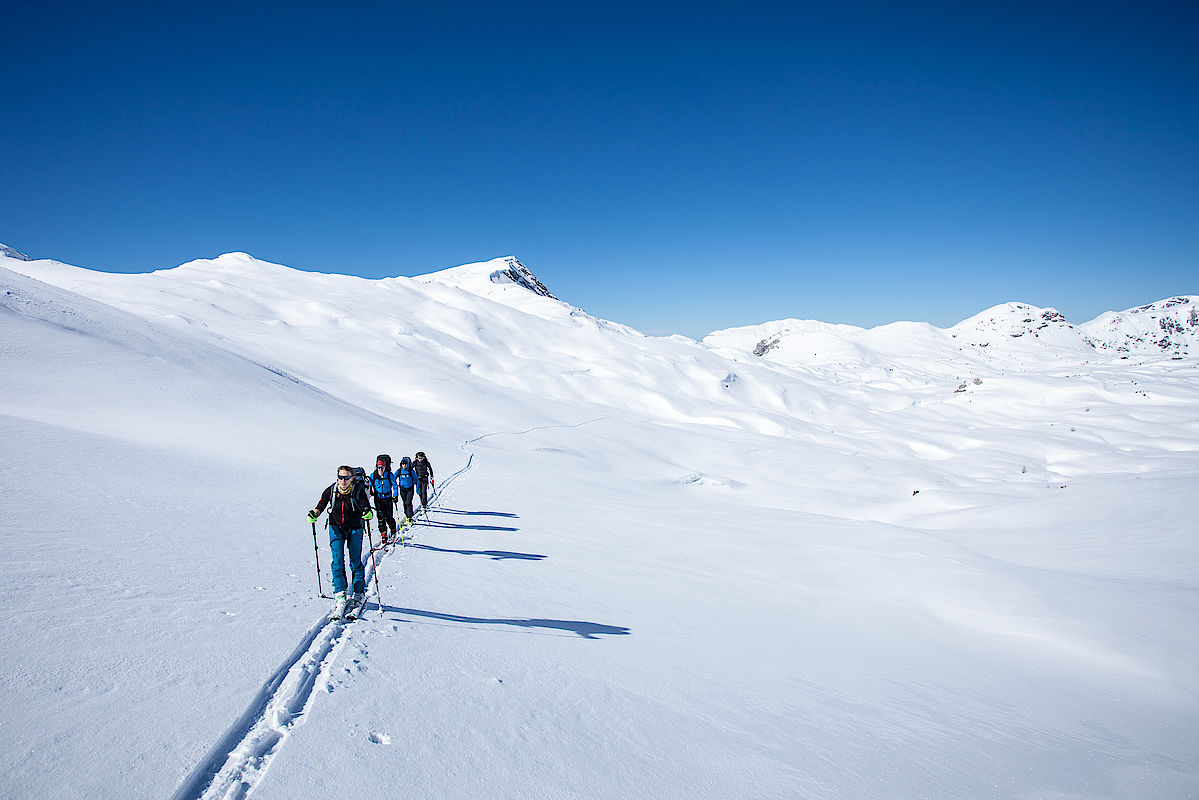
(521, 275)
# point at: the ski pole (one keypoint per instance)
(374, 568)
(432, 494)
(316, 551)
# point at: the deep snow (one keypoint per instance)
(907, 566)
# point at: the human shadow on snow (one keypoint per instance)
(439, 510)
(456, 526)
(496, 555)
(587, 630)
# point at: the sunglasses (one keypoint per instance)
(344, 477)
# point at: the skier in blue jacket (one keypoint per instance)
(383, 489)
(406, 482)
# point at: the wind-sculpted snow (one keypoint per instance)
(905, 562)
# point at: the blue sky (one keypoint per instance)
(676, 167)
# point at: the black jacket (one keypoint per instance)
(423, 470)
(348, 509)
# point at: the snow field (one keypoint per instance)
(641, 579)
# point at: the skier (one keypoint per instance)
(349, 512)
(424, 479)
(405, 481)
(383, 487)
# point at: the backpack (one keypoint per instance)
(382, 485)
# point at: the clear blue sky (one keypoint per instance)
(677, 167)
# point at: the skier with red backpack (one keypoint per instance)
(384, 490)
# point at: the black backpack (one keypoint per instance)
(359, 479)
(361, 484)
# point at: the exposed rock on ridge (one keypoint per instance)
(5, 250)
(521, 275)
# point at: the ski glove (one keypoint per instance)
(312, 515)
(368, 514)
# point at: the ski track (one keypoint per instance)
(239, 760)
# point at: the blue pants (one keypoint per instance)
(339, 537)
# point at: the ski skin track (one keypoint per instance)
(239, 759)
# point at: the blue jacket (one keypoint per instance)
(383, 485)
(405, 477)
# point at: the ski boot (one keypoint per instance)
(340, 600)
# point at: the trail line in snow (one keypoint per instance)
(522, 433)
(239, 759)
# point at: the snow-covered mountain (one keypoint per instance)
(1167, 326)
(1010, 335)
(867, 564)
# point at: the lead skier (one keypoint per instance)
(349, 511)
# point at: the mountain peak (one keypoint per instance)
(519, 274)
(1008, 321)
(487, 277)
(1170, 326)
(9, 252)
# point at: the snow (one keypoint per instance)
(888, 563)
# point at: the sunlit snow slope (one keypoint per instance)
(917, 563)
